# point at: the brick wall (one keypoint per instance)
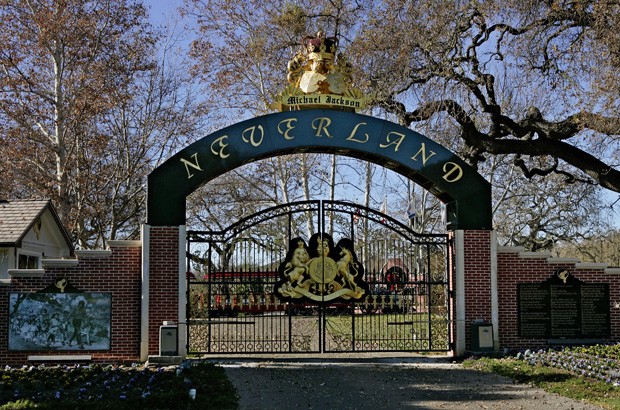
(516, 266)
(117, 272)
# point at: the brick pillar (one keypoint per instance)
(163, 281)
(474, 283)
(477, 283)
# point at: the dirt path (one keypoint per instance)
(417, 383)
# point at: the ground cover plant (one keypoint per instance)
(589, 373)
(116, 387)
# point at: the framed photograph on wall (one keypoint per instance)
(59, 321)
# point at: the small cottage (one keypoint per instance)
(30, 231)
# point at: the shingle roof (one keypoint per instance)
(16, 218)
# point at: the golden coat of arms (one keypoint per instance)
(321, 272)
(319, 79)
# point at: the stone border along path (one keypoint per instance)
(357, 382)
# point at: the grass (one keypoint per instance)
(116, 387)
(404, 331)
(563, 373)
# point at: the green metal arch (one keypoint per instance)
(466, 193)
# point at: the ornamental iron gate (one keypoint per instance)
(241, 280)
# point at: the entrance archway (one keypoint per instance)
(466, 194)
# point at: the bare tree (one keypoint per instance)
(90, 103)
(159, 117)
(602, 247)
(63, 64)
(538, 213)
(525, 79)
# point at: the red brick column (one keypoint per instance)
(475, 297)
(478, 275)
(163, 281)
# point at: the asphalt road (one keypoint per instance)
(379, 383)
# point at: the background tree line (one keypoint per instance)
(94, 96)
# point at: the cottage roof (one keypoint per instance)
(18, 217)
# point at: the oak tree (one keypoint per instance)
(536, 80)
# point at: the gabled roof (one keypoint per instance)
(18, 217)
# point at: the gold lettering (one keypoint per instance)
(289, 126)
(397, 142)
(364, 140)
(221, 146)
(320, 126)
(450, 168)
(424, 157)
(252, 140)
(189, 165)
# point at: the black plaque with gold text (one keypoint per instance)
(563, 307)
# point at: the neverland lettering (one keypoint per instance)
(320, 128)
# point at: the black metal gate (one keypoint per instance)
(233, 306)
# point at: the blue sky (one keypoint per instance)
(161, 10)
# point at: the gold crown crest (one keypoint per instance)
(318, 80)
(320, 46)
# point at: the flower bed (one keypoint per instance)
(115, 387)
(599, 361)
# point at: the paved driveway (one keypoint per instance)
(379, 383)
